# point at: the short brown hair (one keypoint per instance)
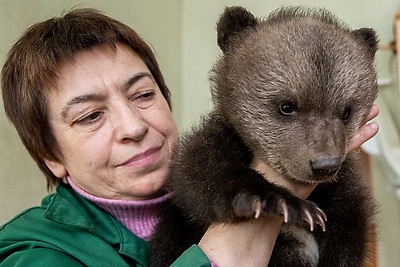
(30, 71)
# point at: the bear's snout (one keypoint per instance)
(325, 167)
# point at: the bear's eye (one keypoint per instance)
(346, 114)
(287, 108)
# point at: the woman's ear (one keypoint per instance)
(57, 168)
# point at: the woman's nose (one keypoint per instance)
(129, 124)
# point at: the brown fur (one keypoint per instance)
(291, 90)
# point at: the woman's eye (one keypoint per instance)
(92, 117)
(287, 108)
(143, 99)
(146, 96)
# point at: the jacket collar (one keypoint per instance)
(68, 207)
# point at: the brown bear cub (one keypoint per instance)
(290, 90)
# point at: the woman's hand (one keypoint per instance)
(366, 132)
(246, 243)
(300, 190)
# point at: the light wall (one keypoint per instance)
(182, 33)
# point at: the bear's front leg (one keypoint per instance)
(213, 181)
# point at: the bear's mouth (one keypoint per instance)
(324, 175)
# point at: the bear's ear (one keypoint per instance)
(233, 21)
(369, 38)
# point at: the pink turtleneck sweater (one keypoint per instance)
(140, 217)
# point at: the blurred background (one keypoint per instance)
(183, 36)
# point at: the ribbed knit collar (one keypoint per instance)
(140, 217)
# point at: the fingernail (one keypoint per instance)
(374, 125)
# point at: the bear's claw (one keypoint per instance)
(292, 209)
(308, 218)
(283, 208)
(257, 207)
(321, 219)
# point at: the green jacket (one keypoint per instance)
(68, 230)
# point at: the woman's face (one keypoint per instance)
(112, 124)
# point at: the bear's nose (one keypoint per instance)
(326, 167)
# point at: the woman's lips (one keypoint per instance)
(145, 158)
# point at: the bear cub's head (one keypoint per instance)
(295, 86)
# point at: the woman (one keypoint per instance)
(88, 100)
